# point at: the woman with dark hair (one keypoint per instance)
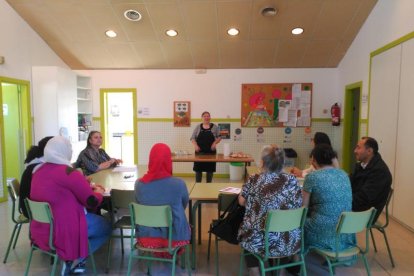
(93, 159)
(159, 187)
(34, 157)
(272, 189)
(205, 138)
(327, 193)
(318, 139)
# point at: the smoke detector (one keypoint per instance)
(132, 15)
(269, 11)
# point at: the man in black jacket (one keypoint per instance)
(371, 179)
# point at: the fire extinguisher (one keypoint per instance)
(336, 114)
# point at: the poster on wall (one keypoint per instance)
(224, 130)
(182, 114)
(276, 105)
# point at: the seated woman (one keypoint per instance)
(271, 189)
(68, 193)
(158, 187)
(318, 139)
(93, 159)
(327, 192)
(34, 157)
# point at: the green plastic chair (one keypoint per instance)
(154, 216)
(349, 223)
(224, 200)
(13, 187)
(280, 221)
(381, 227)
(120, 200)
(41, 212)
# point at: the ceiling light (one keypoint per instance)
(233, 31)
(171, 33)
(297, 31)
(110, 33)
(269, 11)
(132, 15)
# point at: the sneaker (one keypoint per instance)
(66, 268)
(80, 268)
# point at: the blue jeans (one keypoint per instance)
(99, 230)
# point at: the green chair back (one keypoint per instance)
(153, 216)
(354, 222)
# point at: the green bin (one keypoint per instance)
(236, 171)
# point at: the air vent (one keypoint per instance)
(269, 11)
(132, 15)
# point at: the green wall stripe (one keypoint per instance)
(234, 120)
(392, 44)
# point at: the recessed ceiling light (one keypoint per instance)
(233, 31)
(110, 33)
(171, 33)
(269, 11)
(132, 15)
(297, 31)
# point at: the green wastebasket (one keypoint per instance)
(236, 171)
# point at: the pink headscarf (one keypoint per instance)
(160, 164)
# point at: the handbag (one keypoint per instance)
(228, 224)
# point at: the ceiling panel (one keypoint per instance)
(75, 30)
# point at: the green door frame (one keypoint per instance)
(104, 119)
(26, 107)
(348, 112)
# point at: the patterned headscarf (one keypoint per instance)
(160, 164)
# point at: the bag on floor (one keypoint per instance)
(227, 226)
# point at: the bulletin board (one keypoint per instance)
(276, 105)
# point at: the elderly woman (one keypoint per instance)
(318, 139)
(327, 192)
(271, 189)
(93, 159)
(68, 193)
(158, 187)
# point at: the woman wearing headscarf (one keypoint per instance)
(68, 193)
(158, 187)
(34, 157)
(320, 138)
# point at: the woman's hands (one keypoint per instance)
(295, 171)
(97, 188)
(109, 163)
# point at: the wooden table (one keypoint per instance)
(203, 193)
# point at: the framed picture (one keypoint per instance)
(224, 130)
(182, 114)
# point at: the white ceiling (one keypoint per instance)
(75, 30)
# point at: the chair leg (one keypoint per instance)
(388, 247)
(93, 264)
(130, 262)
(173, 263)
(331, 270)
(366, 265)
(209, 244)
(55, 261)
(122, 240)
(108, 260)
(241, 266)
(10, 243)
(373, 240)
(17, 235)
(29, 260)
(187, 259)
(303, 266)
(217, 256)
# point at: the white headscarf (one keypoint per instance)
(58, 150)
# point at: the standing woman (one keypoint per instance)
(205, 139)
(93, 159)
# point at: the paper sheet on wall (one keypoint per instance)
(284, 107)
(292, 118)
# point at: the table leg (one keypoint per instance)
(193, 234)
(199, 224)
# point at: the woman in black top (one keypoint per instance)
(205, 139)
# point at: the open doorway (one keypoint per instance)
(118, 124)
(16, 128)
(351, 124)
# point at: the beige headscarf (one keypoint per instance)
(58, 150)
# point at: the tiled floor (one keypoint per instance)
(401, 240)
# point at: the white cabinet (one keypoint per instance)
(84, 102)
(55, 104)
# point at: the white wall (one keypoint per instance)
(21, 46)
(218, 91)
(388, 21)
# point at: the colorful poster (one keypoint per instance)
(182, 114)
(224, 130)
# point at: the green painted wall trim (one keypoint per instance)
(364, 121)
(392, 44)
(96, 118)
(158, 120)
(225, 120)
(321, 120)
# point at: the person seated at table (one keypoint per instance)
(68, 193)
(93, 159)
(158, 187)
(318, 139)
(272, 189)
(34, 157)
(327, 193)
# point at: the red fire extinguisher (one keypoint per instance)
(336, 114)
